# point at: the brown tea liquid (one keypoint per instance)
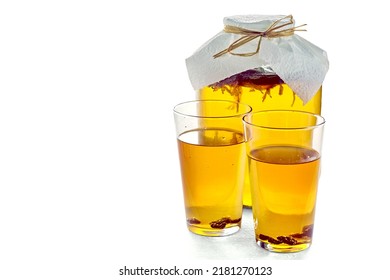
(212, 164)
(284, 181)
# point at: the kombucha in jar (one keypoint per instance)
(262, 89)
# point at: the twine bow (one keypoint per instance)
(273, 31)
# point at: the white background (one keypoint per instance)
(89, 176)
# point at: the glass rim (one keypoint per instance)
(320, 119)
(176, 111)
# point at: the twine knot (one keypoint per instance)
(274, 30)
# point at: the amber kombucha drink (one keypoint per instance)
(284, 192)
(212, 153)
(262, 91)
(284, 151)
(212, 166)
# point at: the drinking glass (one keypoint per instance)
(284, 154)
(210, 137)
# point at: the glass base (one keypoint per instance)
(213, 232)
(283, 248)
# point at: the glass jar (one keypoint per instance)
(260, 61)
